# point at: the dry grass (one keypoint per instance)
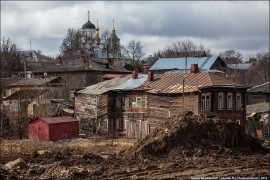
(27, 146)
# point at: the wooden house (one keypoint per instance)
(201, 92)
(92, 105)
(104, 107)
(31, 97)
(53, 128)
(79, 73)
(259, 93)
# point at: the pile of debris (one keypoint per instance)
(189, 135)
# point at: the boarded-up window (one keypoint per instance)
(206, 101)
(220, 101)
(229, 101)
(238, 101)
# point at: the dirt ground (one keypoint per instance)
(184, 147)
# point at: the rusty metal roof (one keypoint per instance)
(56, 120)
(104, 86)
(111, 76)
(173, 83)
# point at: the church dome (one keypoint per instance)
(88, 25)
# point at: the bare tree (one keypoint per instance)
(134, 50)
(187, 48)
(262, 67)
(71, 44)
(231, 57)
(10, 61)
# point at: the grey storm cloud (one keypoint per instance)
(221, 25)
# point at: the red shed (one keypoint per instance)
(53, 128)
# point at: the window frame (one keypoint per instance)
(220, 101)
(238, 103)
(138, 102)
(206, 103)
(230, 102)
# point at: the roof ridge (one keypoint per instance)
(259, 85)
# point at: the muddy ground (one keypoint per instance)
(184, 147)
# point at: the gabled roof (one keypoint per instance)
(56, 120)
(25, 94)
(258, 108)
(104, 86)
(8, 81)
(265, 88)
(204, 63)
(33, 82)
(77, 65)
(132, 83)
(240, 66)
(173, 83)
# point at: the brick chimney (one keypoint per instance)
(194, 68)
(85, 61)
(135, 74)
(150, 75)
(59, 60)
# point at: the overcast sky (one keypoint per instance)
(223, 25)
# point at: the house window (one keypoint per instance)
(206, 101)
(138, 102)
(126, 102)
(220, 101)
(238, 101)
(229, 101)
(118, 102)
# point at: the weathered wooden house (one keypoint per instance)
(258, 94)
(128, 109)
(210, 63)
(105, 107)
(79, 73)
(30, 97)
(200, 92)
(92, 105)
(53, 128)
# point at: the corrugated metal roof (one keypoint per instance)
(56, 120)
(258, 108)
(261, 88)
(104, 86)
(241, 66)
(173, 83)
(204, 63)
(132, 83)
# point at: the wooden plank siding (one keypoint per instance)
(161, 107)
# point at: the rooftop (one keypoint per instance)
(173, 83)
(204, 63)
(76, 64)
(261, 88)
(104, 86)
(258, 108)
(56, 120)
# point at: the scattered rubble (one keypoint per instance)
(184, 146)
